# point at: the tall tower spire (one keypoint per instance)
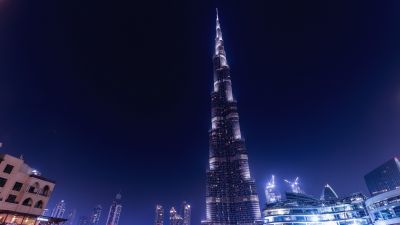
(231, 191)
(219, 43)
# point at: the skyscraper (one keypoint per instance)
(59, 210)
(187, 211)
(159, 217)
(384, 178)
(174, 217)
(115, 211)
(231, 196)
(95, 217)
(328, 194)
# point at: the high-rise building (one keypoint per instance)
(231, 196)
(159, 215)
(384, 178)
(174, 217)
(96, 214)
(24, 193)
(115, 211)
(59, 210)
(328, 194)
(384, 186)
(187, 211)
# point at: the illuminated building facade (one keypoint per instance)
(24, 193)
(59, 210)
(174, 217)
(328, 194)
(159, 217)
(384, 186)
(345, 211)
(96, 214)
(384, 178)
(384, 208)
(231, 196)
(115, 211)
(187, 212)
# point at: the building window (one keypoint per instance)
(27, 202)
(46, 191)
(34, 188)
(8, 169)
(17, 186)
(39, 204)
(11, 198)
(3, 181)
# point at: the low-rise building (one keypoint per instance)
(24, 193)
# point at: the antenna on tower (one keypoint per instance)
(216, 9)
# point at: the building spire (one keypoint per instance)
(219, 43)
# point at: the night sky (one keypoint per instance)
(109, 96)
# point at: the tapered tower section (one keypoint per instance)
(231, 196)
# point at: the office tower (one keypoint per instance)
(187, 211)
(159, 215)
(59, 210)
(384, 186)
(96, 213)
(231, 196)
(174, 217)
(115, 211)
(271, 194)
(384, 178)
(328, 194)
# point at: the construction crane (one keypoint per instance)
(271, 194)
(294, 185)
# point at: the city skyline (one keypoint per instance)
(120, 103)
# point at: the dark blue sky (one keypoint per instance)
(104, 96)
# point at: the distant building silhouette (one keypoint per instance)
(159, 215)
(59, 210)
(187, 212)
(328, 194)
(174, 217)
(96, 214)
(115, 211)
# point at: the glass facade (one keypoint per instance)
(384, 208)
(346, 211)
(384, 178)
